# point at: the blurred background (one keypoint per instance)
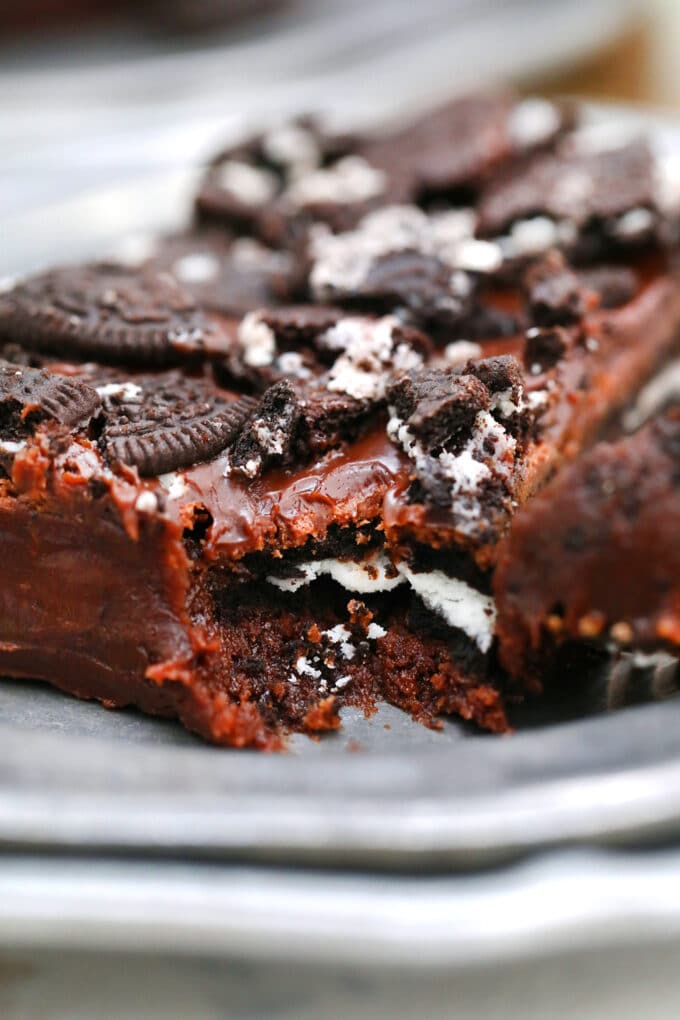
(103, 90)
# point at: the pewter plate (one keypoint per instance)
(385, 792)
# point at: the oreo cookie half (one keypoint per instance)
(29, 396)
(162, 424)
(107, 312)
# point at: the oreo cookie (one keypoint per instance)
(231, 276)
(399, 258)
(460, 439)
(299, 326)
(29, 396)
(502, 375)
(588, 201)
(422, 284)
(105, 312)
(162, 423)
(331, 419)
(270, 434)
(439, 407)
(556, 295)
(244, 183)
(450, 150)
(270, 344)
(290, 424)
(543, 348)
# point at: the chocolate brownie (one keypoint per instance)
(267, 469)
(596, 555)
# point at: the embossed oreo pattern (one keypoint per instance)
(107, 312)
(29, 396)
(162, 424)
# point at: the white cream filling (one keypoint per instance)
(304, 668)
(532, 236)
(477, 256)
(257, 341)
(294, 147)
(343, 261)
(374, 573)
(456, 602)
(128, 392)
(146, 502)
(292, 363)
(368, 356)
(505, 405)
(458, 352)
(634, 223)
(489, 450)
(342, 636)
(270, 439)
(173, 483)
(537, 398)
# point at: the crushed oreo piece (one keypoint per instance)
(457, 146)
(107, 312)
(288, 426)
(259, 184)
(545, 347)
(423, 284)
(298, 326)
(271, 431)
(609, 193)
(400, 258)
(483, 322)
(331, 419)
(451, 151)
(502, 376)
(438, 406)
(462, 448)
(274, 343)
(170, 422)
(29, 396)
(369, 353)
(556, 295)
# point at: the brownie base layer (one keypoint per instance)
(89, 608)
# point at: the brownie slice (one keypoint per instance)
(248, 513)
(596, 555)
